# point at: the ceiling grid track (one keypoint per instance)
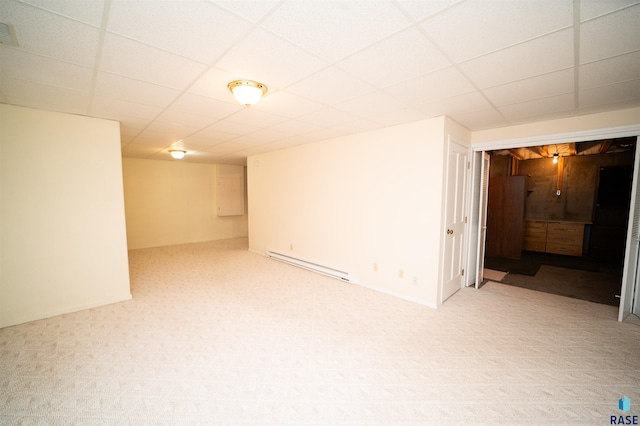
(576, 54)
(96, 63)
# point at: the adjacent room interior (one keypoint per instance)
(567, 214)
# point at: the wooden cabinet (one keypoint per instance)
(557, 237)
(565, 238)
(535, 236)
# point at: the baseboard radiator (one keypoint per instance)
(325, 270)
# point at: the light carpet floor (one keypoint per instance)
(216, 335)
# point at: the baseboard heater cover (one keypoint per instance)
(325, 270)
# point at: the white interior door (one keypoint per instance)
(482, 217)
(630, 282)
(455, 214)
(472, 227)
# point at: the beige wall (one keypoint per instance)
(62, 228)
(584, 123)
(174, 202)
(350, 202)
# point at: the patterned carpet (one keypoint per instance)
(216, 335)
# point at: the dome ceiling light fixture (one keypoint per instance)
(247, 92)
(178, 154)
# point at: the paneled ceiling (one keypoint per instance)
(161, 68)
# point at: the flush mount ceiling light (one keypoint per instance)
(178, 154)
(247, 92)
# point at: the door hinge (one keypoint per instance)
(463, 272)
(468, 164)
(465, 219)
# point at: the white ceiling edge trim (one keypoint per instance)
(557, 138)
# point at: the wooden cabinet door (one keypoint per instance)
(505, 216)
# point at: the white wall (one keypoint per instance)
(350, 202)
(174, 202)
(62, 226)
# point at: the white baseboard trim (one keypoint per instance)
(8, 322)
(399, 296)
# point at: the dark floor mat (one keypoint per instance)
(514, 266)
(530, 263)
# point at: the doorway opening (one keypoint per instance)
(557, 217)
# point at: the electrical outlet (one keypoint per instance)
(401, 273)
(375, 267)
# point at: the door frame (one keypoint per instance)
(630, 265)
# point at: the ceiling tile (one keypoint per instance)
(130, 127)
(474, 28)
(153, 139)
(330, 86)
(271, 61)
(610, 35)
(48, 34)
(292, 128)
(334, 29)
(253, 10)
(481, 120)
(199, 105)
(258, 138)
(399, 116)
(590, 9)
(608, 71)
(18, 64)
(207, 140)
(327, 117)
(542, 86)
(356, 126)
(420, 10)
(614, 93)
(196, 30)
(132, 59)
(41, 96)
(422, 91)
(371, 105)
(460, 104)
(540, 56)
(193, 121)
(230, 127)
(256, 117)
(286, 104)
(540, 108)
(128, 89)
(417, 57)
(593, 109)
(165, 132)
(118, 109)
(89, 12)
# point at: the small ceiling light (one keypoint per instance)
(555, 158)
(247, 92)
(178, 154)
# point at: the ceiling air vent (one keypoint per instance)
(8, 35)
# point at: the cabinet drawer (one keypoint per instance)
(564, 238)
(534, 245)
(538, 238)
(569, 229)
(565, 234)
(570, 250)
(533, 226)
